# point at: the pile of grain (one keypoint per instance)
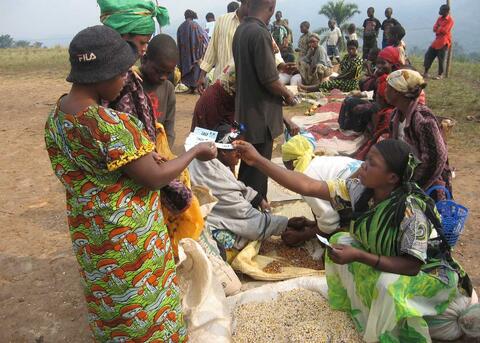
(293, 257)
(295, 316)
(274, 267)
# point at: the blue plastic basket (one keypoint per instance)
(453, 215)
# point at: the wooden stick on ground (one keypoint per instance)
(450, 51)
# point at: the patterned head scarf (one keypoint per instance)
(299, 150)
(228, 78)
(132, 16)
(390, 54)
(406, 81)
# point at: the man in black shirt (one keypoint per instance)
(387, 25)
(371, 27)
(259, 94)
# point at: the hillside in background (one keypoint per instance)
(418, 18)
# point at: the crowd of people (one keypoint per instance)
(130, 199)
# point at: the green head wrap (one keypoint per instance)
(132, 16)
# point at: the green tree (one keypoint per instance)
(6, 41)
(341, 12)
(22, 44)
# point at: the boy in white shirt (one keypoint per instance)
(333, 40)
(351, 33)
(210, 25)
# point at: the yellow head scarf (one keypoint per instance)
(300, 151)
(405, 80)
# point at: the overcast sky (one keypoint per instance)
(56, 21)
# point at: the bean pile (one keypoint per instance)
(274, 267)
(295, 316)
(294, 257)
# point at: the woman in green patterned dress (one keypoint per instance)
(349, 74)
(112, 177)
(387, 272)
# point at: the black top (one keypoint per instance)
(372, 27)
(255, 106)
(388, 24)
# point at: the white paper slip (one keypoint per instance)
(198, 136)
(324, 240)
(206, 135)
(224, 146)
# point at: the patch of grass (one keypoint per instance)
(28, 61)
(456, 97)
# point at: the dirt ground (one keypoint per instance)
(40, 295)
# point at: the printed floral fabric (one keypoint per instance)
(386, 307)
(116, 225)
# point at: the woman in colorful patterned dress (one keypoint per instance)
(388, 272)
(107, 164)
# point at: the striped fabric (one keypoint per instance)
(219, 51)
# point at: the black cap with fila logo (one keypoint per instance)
(99, 53)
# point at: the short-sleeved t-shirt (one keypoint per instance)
(414, 229)
(388, 24)
(334, 36)
(371, 28)
(255, 106)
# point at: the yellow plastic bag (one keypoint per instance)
(249, 262)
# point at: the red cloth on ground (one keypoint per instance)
(443, 31)
(330, 107)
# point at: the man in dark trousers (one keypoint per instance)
(259, 95)
(443, 39)
(371, 28)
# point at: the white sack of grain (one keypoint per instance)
(203, 299)
(461, 317)
(271, 291)
(294, 311)
(223, 271)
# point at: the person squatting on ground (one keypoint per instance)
(315, 66)
(414, 123)
(372, 269)
(241, 215)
